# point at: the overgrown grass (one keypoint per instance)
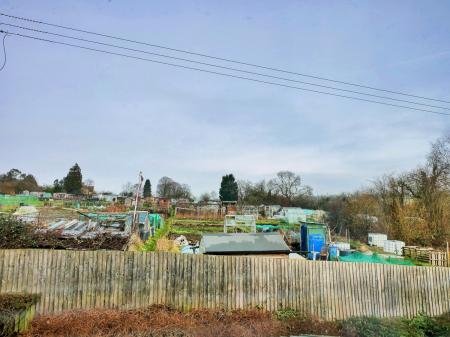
(194, 221)
(270, 222)
(150, 244)
(194, 229)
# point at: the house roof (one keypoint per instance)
(232, 243)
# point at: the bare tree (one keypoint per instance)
(214, 196)
(287, 184)
(204, 197)
(165, 187)
(127, 189)
(416, 204)
(168, 188)
(439, 163)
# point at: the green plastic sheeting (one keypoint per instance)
(17, 200)
(374, 258)
(156, 220)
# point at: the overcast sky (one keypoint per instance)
(116, 116)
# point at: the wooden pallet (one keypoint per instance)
(427, 255)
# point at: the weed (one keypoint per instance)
(286, 314)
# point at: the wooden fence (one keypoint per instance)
(330, 290)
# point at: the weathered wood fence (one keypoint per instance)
(330, 290)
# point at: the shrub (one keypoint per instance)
(10, 306)
(15, 233)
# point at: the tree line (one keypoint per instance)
(412, 206)
(15, 182)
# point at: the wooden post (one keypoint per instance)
(448, 256)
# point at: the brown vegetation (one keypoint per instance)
(413, 207)
(161, 321)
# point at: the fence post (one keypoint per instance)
(448, 256)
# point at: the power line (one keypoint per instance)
(223, 67)
(222, 59)
(223, 74)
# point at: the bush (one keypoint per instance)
(15, 234)
(10, 306)
(425, 326)
(286, 314)
(371, 327)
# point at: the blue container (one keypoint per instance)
(333, 252)
(313, 237)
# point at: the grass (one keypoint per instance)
(151, 244)
(190, 228)
(194, 229)
(270, 222)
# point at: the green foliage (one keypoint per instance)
(73, 180)
(58, 186)
(286, 314)
(150, 244)
(15, 181)
(373, 327)
(11, 306)
(14, 233)
(147, 189)
(419, 326)
(425, 326)
(228, 188)
(195, 230)
(14, 302)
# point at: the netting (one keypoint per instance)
(374, 258)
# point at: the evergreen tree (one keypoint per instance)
(73, 180)
(228, 188)
(147, 189)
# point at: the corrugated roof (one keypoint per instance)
(232, 243)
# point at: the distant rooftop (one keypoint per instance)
(243, 243)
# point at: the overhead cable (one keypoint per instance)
(222, 67)
(222, 74)
(221, 58)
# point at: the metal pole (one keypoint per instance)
(138, 189)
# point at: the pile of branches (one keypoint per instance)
(16, 234)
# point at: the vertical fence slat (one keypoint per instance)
(330, 290)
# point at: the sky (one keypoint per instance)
(116, 116)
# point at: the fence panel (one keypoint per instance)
(331, 290)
